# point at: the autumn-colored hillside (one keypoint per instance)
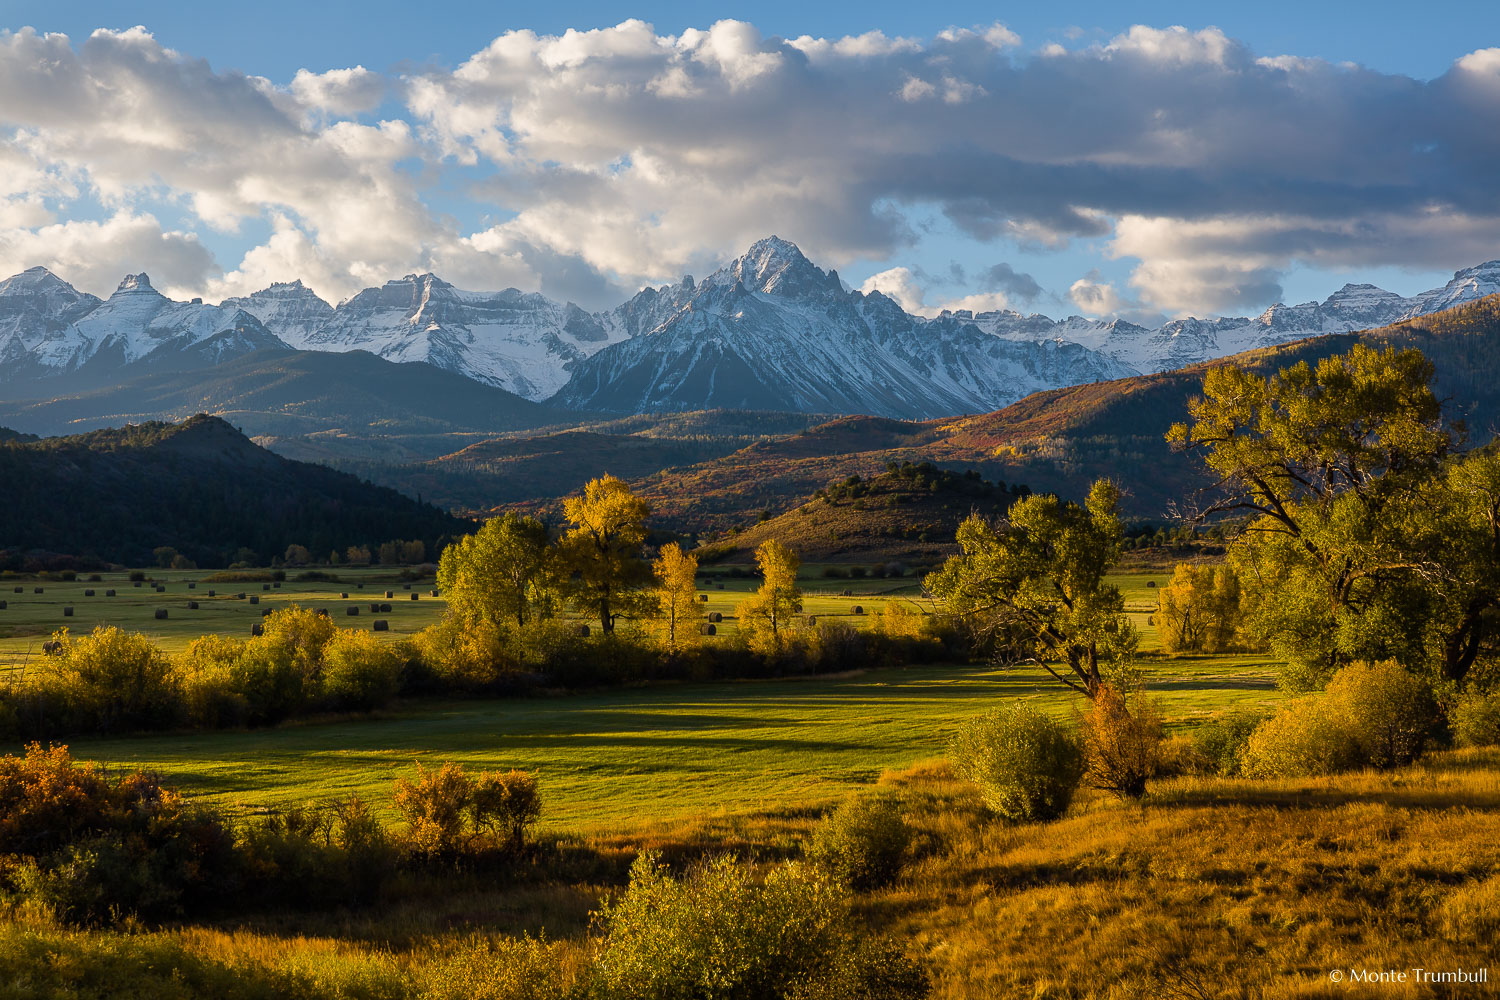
(907, 514)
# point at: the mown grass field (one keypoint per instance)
(606, 759)
(610, 759)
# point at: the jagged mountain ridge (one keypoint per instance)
(1183, 342)
(769, 329)
(772, 331)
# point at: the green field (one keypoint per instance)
(30, 618)
(617, 758)
(607, 759)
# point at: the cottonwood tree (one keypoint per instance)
(1036, 579)
(602, 551)
(772, 610)
(503, 574)
(1325, 460)
(1198, 611)
(678, 610)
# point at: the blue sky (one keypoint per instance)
(1295, 175)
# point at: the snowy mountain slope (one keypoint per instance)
(518, 341)
(772, 331)
(769, 329)
(47, 327)
(1183, 342)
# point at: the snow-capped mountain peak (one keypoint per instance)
(138, 283)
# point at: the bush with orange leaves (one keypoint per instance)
(92, 847)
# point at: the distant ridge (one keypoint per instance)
(769, 330)
(200, 487)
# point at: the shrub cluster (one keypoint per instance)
(720, 931)
(446, 808)
(1026, 764)
(1371, 715)
(862, 843)
(94, 848)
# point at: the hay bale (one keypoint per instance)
(88, 593)
(718, 586)
(716, 616)
(3, 605)
(433, 593)
(257, 629)
(276, 585)
(858, 609)
(109, 593)
(36, 590)
(812, 620)
(266, 612)
(241, 596)
(703, 597)
(192, 586)
(380, 625)
(52, 647)
(265, 586)
(192, 605)
(406, 586)
(1151, 583)
(322, 612)
(385, 609)
(351, 611)
(20, 590)
(67, 612)
(137, 584)
(390, 593)
(846, 593)
(161, 614)
(254, 598)
(582, 631)
(359, 586)
(210, 593)
(414, 595)
(374, 609)
(345, 595)
(708, 630)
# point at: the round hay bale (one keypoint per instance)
(254, 598)
(390, 593)
(359, 586)
(708, 630)
(161, 614)
(137, 584)
(406, 586)
(433, 593)
(703, 597)
(192, 605)
(109, 593)
(374, 609)
(192, 586)
(582, 631)
(716, 616)
(322, 611)
(718, 586)
(351, 611)
(414, 595)
(67, 612)
(3, 605)
(277, 585)
(266, 612)
(257, 629)
(385, 609)
(265, 586)
(241, 596)
(20, 590)
(812, 620)
(210, 593)
(345, 595)
(36, 590)
(381, 625)
(858, 609)
(88, 593)
(1151, 583)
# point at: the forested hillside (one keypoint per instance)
(199, 487)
